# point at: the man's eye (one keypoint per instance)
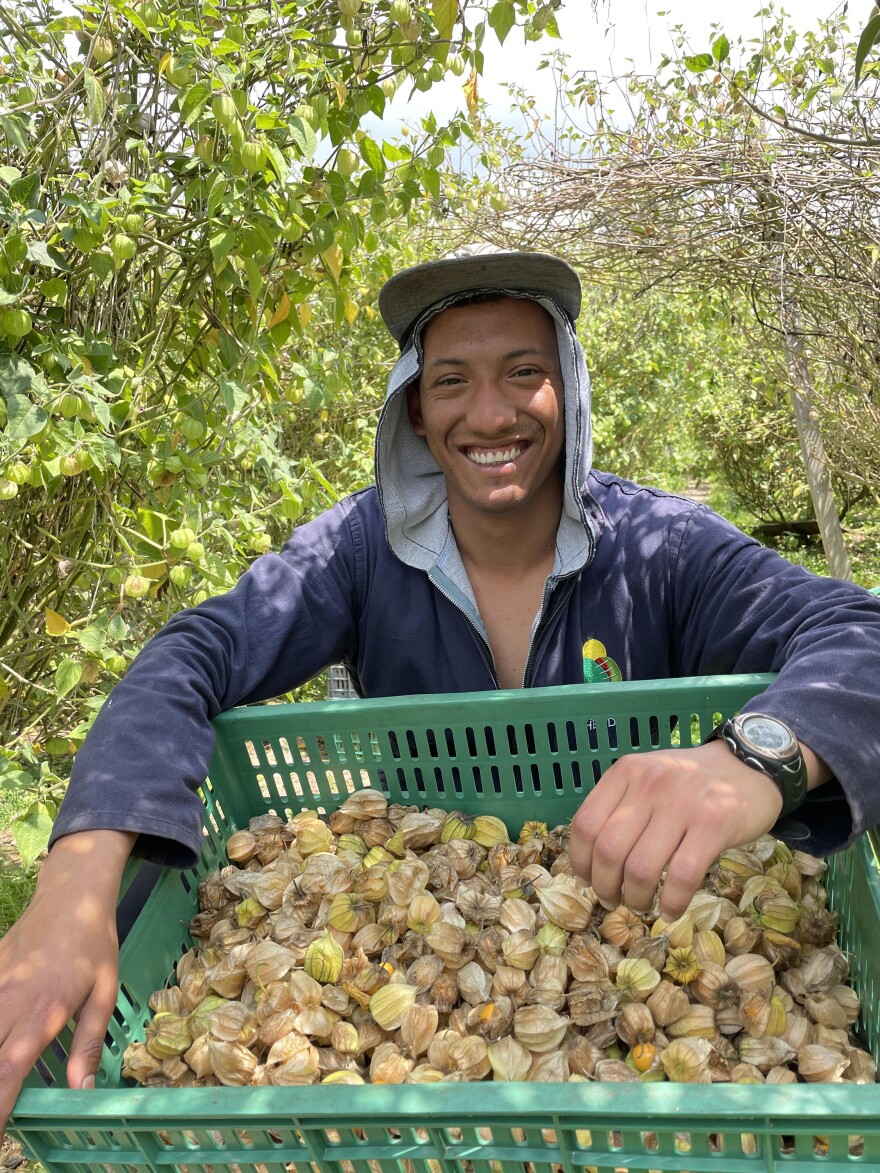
(526, 371)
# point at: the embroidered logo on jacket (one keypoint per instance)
(599, 668)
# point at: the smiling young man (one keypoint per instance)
(488, 554)
(490, 405)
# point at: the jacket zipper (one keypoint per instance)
(483, 642)
(540, 623)
(536, 628)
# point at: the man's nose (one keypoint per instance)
(490, 410)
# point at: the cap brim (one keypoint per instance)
(407, 295)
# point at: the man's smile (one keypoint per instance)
(495, 456)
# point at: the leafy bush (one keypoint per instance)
(195, 220)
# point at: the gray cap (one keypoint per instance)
(478, 268)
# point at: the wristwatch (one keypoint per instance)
(768, 744)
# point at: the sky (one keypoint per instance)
(620, 35)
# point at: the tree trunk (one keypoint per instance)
(812, 447)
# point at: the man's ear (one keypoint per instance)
(414, 409)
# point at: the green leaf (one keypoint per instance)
(117, 628)
(102, 412)
(335, 188)
(444, 14)
(371, 153)
(254, 277)
(102, 266)
(322, 235)
(41, 254)
(222, 244)
(67, 676)
(55, 289)
(216, 194)
(16, 375)
(14, 250)
(233, 395)
(304, 137)
(31, 832)
(721, 48)
(102, 449)
(315, 394)
(377, 100)
(9, 174)
(7, 298)
(14, 129)
(64, 24)
(23, 418)
(96, 103)
(133, 15)
(26, 191)
(277, 160)
(230, 349)
(502, 18)
(153, 525)
(392, 152)
(368, 183)
(431, 180)
(92, 638)
(194, 101)
(13, 779)
(867, 41)
(699, 63)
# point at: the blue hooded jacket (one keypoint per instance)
(645, 585)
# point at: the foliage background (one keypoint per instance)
(194, 225)
(729, 199)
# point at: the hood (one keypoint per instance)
(412, 489)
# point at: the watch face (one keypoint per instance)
(767, 735)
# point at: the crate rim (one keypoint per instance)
(820, 1108)
(453, 702)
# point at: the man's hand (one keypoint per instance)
(60, 960)
(674, 809)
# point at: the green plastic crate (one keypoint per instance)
(520, 755)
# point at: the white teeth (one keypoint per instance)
(495, 457)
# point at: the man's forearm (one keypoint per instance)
(59, 960)
(88, 864)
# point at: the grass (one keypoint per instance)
(16, 885)
(861, 533)
(12, 803)
(16, 890)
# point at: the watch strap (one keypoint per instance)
(790, 776)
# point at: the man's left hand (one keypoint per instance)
(668, 809)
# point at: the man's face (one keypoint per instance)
(490, 404)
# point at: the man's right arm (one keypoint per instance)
(59, 961)
(149, 750)
(135, 781)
